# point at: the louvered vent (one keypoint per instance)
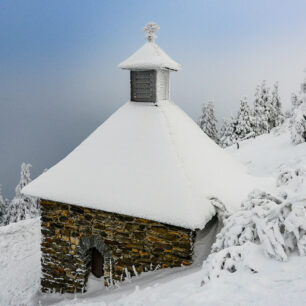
(143, 86)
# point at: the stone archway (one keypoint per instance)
(86, 246)
(88, 242)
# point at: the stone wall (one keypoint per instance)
(129, 245)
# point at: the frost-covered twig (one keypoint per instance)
(222, 212)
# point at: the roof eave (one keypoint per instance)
(140, 68)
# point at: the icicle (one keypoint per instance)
(111, 270)
(127, 273)
(135, 272)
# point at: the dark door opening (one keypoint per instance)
(97, 263)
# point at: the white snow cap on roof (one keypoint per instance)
(150, 55)
(148, 161)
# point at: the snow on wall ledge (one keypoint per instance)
(151, 162)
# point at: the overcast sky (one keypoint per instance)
(58, 64)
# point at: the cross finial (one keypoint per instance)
(150, 30)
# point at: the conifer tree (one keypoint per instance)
(222, 132)
(298, 125)
(296, 101)
(298, 120)
(2, 208)
(229, 136)
(276, 114)
(261, 109)
(22, 206)
(244, 128)
(207, 122)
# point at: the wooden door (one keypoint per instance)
(97, 263)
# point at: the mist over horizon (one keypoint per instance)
(59, 78)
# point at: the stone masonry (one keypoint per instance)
(129, 245)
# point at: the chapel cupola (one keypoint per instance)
(150, 70)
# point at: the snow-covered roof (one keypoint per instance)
(150, 55)
(147, 161)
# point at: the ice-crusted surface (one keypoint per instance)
(149, 56)
(148, 161)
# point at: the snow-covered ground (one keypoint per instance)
(19, 262)
(267, 154)
(276, 283)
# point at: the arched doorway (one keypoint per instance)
(95, 255)
(97, 263)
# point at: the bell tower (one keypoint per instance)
(150, 70)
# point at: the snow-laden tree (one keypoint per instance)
(262, 105)
(22, 207)
(291, 182)
(241, 226)
(229, 259)
(244, 128)
(275, 114)
(229, 135)
(2, 207)
(222, 131)
(207, 122)
(298, 125)
(298, 120)
(296, 101)
(277, 222)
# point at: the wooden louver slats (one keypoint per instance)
(143, 86)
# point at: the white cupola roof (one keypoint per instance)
(148, 160)
(150, 55)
